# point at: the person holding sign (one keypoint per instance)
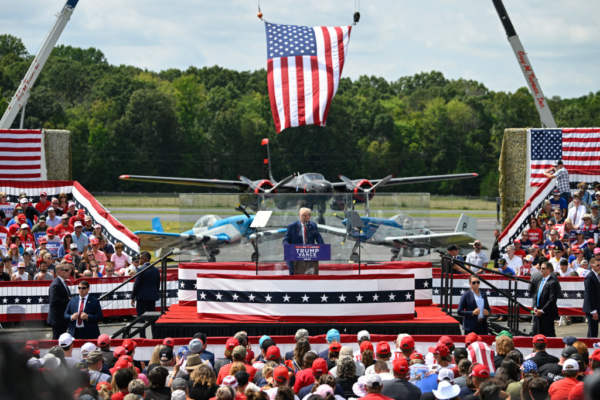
(303, 231)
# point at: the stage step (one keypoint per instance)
(139, 324)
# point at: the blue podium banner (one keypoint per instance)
(307, 252)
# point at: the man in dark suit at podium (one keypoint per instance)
(83, 313)
(545, 296)
(303, 231)
(591, 298)
(59, 297)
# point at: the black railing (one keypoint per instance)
(447, 286)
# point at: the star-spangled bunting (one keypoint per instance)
(579, 150)
(304, 67)
(206, 295)
(190, 284)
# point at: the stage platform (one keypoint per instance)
(183, 321)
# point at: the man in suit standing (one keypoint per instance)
(303, 231)
(591, 298)
(545, 296)
(146, 289)
(83, 313)
(474, 308)
(59, 296)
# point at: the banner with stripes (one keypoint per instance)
(28, 300)
(111, 227)
(570, 299)
(306, 298)
(422, 271)
(22, 154)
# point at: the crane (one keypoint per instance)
(534, 86)
(19, 100)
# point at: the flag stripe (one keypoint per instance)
(316, 92)
(300, 89)
(329, 71)
(293, 91)
(272, 97)
(307, 74)
(285, 88)
(20, 154)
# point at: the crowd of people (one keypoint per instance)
(472, 370)
(36, 238)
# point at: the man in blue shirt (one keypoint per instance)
(79, 238)
(553, 241)
(558, 203)
(504, 268)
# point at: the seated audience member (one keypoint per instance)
(52, 218)
(137, 388)
(535, 233)
(541, 357)
(30, 266)
(374, 386)
(560, 389)
(51, 237)
(157, 389)
(64, 227)
(119, 259)
(64, 204)
(383, 353)
(88, 224)
(346, 375)
(382, 370)
(41, 226)
(106, 247)
(121, 380)
(98, 254)
(44, 274)
(519, 251)
(78, 217)
(20, 275)
(400, 388)
(513, 262)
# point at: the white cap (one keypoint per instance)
(374, 381)
(50, 209)
(65, 340)
(359, 387)
(362, 334)
(24, 226)
(71, 203)
(570, 365)
(72, 246)
(230, 381)
(88, 348)
(529, 257)
(77, 224)
(23, 200)
(50, 362)
(446, 390)
(178, 395)
(445, 374)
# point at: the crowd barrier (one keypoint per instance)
(422, 271)
(216, 345)
(28, 301)
(570, 300)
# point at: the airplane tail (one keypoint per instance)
(267, 174)
(467, 224)
(156, 225)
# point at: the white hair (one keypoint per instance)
(304, 210)
(510, 247)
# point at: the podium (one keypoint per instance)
(306, 257)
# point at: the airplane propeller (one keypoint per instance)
(368, 191)
(266, 191)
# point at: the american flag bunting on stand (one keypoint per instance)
(21, 154)
(579, 150)
(304, 67)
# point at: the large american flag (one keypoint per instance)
(579, 150)
(304, 66)
(20, 154)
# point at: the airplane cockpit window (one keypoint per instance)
(405, 220)
(313, 177)
(206, 221)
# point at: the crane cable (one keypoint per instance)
(356, 12)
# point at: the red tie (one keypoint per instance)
(305, 235)
(79, 320)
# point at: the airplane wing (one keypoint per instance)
(341, 186)
(435, 239)
(216, 183)
(154, 241)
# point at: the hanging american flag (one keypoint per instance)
(304, 66)
(21, 154)
(579, 150)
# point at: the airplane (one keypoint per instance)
(209, 234)
(402, 234)
(315, 189)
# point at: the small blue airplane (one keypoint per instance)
(402, 234)
(209, 234)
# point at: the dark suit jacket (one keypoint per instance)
(591, 298)
(58, 299)
(467, 305)
(294, 234)
(94, 311)
(146, 285)
(548, 297)
(543, 358)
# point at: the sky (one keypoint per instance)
(394, 38)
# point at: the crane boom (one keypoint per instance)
(534, 86)
(20, 98)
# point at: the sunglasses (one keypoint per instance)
(475, 283)
(543, 268)
(109, 270)
(83, 288)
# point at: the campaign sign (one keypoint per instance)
(3, 237)
(38, 235)
(307, 252)
(52, 247)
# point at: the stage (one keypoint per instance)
(183, 321)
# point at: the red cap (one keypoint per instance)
(590, 240)
(34, 343)
(103, 339)
(43, 193)
(407, 343)
(21, 217)
(14, 246)
(440, 350)
(129, 345)
(121, 364)
(335, 347)
(281, 374)
(472, 337)
(50, 230)
(319, 367)
(273, 353)
(231, 343)
(120, 351)
(416, 356)
(383, 348)
(535, 246)
(68, 258)
(126, 358)
(81, 211)
(400, 365)
(517, 241)
(595, 355)
(480, 371)
(539, 339)
(169, 342)
(100, 384)
(575, 247)
(446, 341)
(95, 241)
(366, 345)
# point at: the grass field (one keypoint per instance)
(389, 201)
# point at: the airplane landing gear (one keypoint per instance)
(254, 257)
(212, 259)
(396, 255)
(321, 208)
(354, 257)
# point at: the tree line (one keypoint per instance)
(208, 123)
